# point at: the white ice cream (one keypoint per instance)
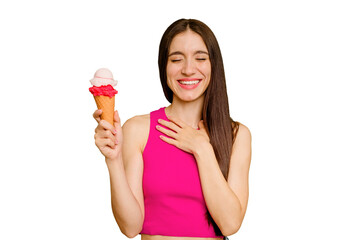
(103, 77)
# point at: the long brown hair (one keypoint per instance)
(215, 113)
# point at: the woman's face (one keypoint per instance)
(188, 66)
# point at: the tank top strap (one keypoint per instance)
(153, 138)
(157, 114)
(154, 116)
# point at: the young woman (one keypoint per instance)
(180, 172)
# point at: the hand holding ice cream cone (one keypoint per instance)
(109, 138)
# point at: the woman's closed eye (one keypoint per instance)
(175, 60)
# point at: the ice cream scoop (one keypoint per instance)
(104, 93)
(103, 76)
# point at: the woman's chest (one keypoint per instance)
(171, 171)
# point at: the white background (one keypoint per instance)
(294, 71)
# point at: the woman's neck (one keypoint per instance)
(188, 112)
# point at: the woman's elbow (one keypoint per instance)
(131, 235)
(130, 231)
(231, 228)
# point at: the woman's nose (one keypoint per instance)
(188, 67)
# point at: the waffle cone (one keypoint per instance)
(107, 105)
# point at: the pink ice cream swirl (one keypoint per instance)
(107, 90)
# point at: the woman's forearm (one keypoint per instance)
(125, 206)
(222, 203)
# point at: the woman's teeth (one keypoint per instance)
(189, 82)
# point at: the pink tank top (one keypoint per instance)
(173, 199)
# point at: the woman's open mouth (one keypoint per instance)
(189, 83)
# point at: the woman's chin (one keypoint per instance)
(189, 98)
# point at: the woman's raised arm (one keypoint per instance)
(121, 148)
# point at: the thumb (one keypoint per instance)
(116, 119)
(117, 125)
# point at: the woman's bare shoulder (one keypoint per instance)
(244, 130)
(137, 121)
(243, 136)
(240, 130)
(136, 129)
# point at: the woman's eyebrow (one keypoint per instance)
(175, 53)
(180, 53)
(201, 52)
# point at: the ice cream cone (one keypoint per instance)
(107, 104)
(103, 91)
